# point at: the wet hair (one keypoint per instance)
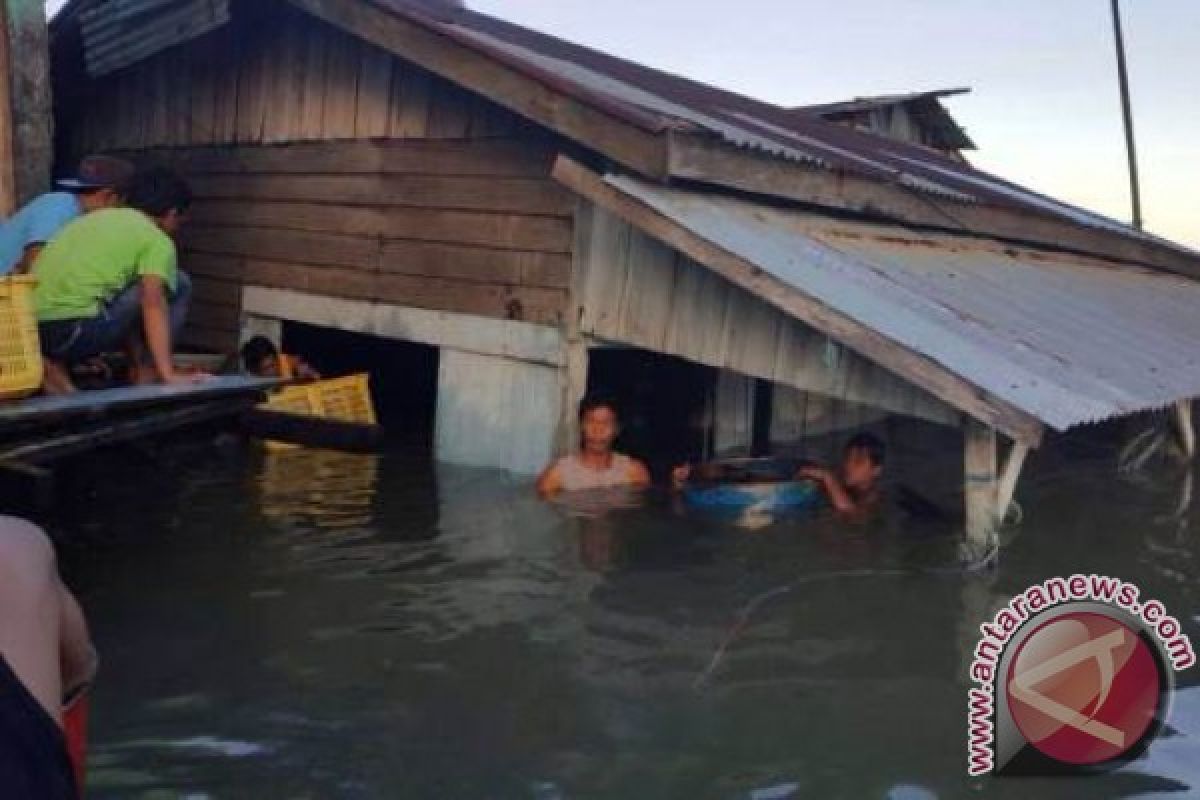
(870, 444)
(256, 351)
(593, 402)
(157, 191)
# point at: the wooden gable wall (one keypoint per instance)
(326, 165)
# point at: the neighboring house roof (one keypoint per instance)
(658, 101)
(1061, 339)
(926, 108)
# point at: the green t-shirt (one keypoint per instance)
(95, 257)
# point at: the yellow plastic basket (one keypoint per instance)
(347, 399)
(20, 355)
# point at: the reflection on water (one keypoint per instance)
(306, 624)
(322, 488)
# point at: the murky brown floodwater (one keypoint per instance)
(318, 625)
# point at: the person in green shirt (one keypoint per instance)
(110, 280)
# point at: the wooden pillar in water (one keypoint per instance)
(980, 488)
(1181, 416)
(26, 146)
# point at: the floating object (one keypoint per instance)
(761, 485)
(20, 353)
(344, 400)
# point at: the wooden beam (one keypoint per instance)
(519, 341)
(641, 150)
(979, 476)
(1181, 415)
(908, 364)
(706, 160)
(1010, 473)
(55, 446)
(327, 434)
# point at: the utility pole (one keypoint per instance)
(1135, 192)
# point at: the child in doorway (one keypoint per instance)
(262, 358)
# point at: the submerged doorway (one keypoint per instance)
(665, 403)
(404, 375)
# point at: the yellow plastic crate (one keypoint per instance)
(20, 354)
(347, 399)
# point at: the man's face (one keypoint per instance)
(268, 367)
(599, 428)
(857, 468)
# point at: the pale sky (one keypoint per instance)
(1044, 112)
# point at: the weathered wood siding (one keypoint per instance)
(325, 165)
(637, 291)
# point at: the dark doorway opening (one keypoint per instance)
(404, 375)
(664, 403)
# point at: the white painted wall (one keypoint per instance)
(733, 431)
(496, 412)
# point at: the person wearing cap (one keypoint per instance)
(109, 280)
(98, 183)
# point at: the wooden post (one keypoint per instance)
(574, 373)
(8, 187)
(980, 485)
(26, 141)
(1181, 415)
(1009, 474)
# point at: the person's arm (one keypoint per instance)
(639, 475)
(680, 476)
(28, 257)
(76, 653)
(839, 498)
(157, 325)
(549, 482)
(304, 371)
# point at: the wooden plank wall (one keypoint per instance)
(325, 165)
(637, 291)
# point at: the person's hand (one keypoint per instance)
(187, 378)
(680, 475)
(814, 473)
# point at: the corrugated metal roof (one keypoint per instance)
(657, 100)
(117, 33)
(879, 101)
(1065, 340)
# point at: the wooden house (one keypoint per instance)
(421, 172)
(917, 117)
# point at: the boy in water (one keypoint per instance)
(853, 489)
(595, 465)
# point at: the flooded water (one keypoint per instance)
(316, 625)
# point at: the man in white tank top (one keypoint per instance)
(595, 465)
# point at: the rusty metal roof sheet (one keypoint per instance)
(657, 100)
(117, 33)
(1066, 340)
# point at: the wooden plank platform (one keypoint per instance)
(103, 402)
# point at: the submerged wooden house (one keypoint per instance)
(420, 172)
